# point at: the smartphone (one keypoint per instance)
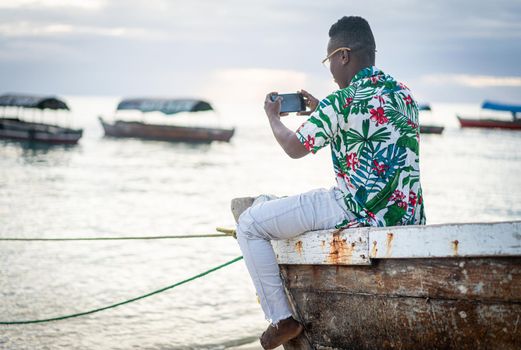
(291, 102)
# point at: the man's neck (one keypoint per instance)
(357, 67)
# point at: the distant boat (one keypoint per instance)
(429, 129)
(165, 132)
(514, 124)
(12, 127)
(424, 107)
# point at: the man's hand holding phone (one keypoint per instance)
(310, 101)
(272, 105)
(281, 105)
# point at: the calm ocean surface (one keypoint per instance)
(113, 187)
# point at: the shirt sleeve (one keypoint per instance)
(318, 131)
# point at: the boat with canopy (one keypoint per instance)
(165, 131)
(15, 128)
(514, 124)
(425, 128)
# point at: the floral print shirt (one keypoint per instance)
(372, 128)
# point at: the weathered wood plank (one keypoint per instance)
(337, 321)
(456, 303)
(301, 342)
(238, 205)
(484, 279)
(347, 247)
(331, 247)
(447, 240)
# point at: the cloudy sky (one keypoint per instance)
(454, 51)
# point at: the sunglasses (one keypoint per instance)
(326, 61)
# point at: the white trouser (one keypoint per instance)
(282, 218)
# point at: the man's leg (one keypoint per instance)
(281, 219)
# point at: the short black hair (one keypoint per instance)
(354, 32)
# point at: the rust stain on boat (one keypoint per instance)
(323, 245)
(374, 251)
(340, 252)
(455, 244)
(389, 250)
(298, 247)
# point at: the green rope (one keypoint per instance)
(126, 301)
(226, 232)
(116, 238)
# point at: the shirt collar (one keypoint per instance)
(366, 73)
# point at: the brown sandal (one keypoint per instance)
(281, 333)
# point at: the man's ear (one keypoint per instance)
(345, 57)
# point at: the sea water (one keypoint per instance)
(127, 187)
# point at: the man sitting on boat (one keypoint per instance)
(371, 124)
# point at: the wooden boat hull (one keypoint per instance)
(431, 129)
(455, 303)
(16, 129)
(166, 132)
(454, 286)
(449, 286)
(489, 123)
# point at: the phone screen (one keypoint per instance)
(291, 102)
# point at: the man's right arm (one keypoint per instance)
(286, 138)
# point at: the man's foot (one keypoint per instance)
(283, 332)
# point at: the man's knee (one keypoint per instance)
(247, 227)
(244, 223)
